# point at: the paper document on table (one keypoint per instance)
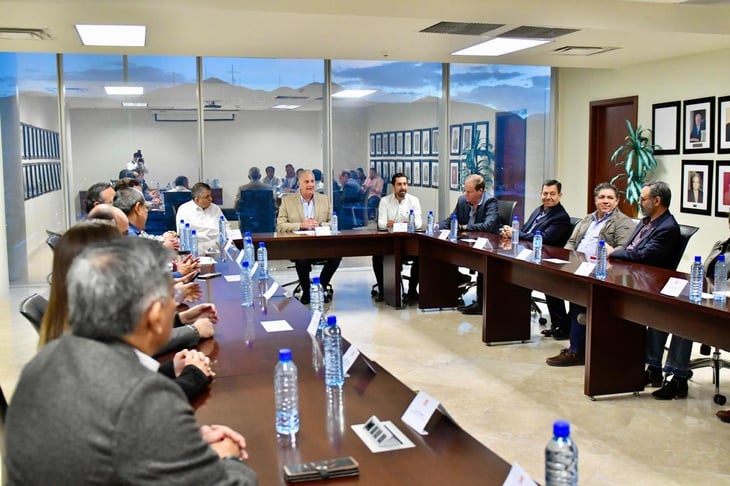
(322, 231)
(483, 244)
(232, 278)
(518, 477)
(271, 291)
(419, 412)
(444, 235)
(304, 232)
(556, 260)
(314, 322)
(585, 269)
(234, 234)
(525, 254)
(674, 286)
(400, 227)
(276, 326)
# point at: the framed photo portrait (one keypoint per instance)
(407, 143)
(722, 178)
(378, 144)
(454, 175)
(699, 123)
(455, 140)
(372, 144)
(416, 142)
(697, 187)
(426, 141)
(466, 135)
(408, 170)
(373, 165)
(391, 168)
(483, 129)
(379, 168)
(665, 124)
(416, 179)
(723, 125)
(399, 143)
(434, 173)
(399, 166)
(435, 141)
(425, 173)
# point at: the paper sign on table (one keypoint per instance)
(556, 260)
(518, 477)
(674, 286)
(227, 247)
(314, 322)
(232, 278)
(271, 291)
(349, 357)
(444, 234)
(585, 269)
(400, 227)
(234, 234)
(525, 254)
(483, 244)
(322, 231)
(253, 269)
(419, 412)
(304, 232)
(239, 258)
(276, 326)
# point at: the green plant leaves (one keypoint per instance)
(638, 161)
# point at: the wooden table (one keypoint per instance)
(242, 397)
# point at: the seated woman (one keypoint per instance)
(189, 368)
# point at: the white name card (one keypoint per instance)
(253, 269)
(444, 234)
(482, 244)
(349, 357)
(585, 269)
(419, 412)
(313, 323)
(674, 286)
(525, 254)
(227, 246)
(322, 231)
(518, 477)
(271, 291)
(400, 227)
(239, 258)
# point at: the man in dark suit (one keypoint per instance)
(694, 192)
(254, 175)
(553, 222)
(90, 408)
(696, 135)
(476, 210)
(656, 241)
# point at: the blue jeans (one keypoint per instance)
(678, 356)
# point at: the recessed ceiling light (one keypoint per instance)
(285, 107)
(353, 93)
(124, 90)
(499, 46)
(112, 35)
(133, 104)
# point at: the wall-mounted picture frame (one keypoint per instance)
(426, 141)
(416, 142)
(391, 168)
(699, 124)
(466, 135)
(722, 186)
(696, 187)
(372, 162)
(399, 166)
(434, 173)
(483, 128)
(723, 125)
(407, 143)
(391, 143)
(454, 175)
(416, 179)
(378, 144)
(399, 143)
(372, 144)
(379, 168)
(425, 173)
(434, 141)
(455, 139)
(665, 127)
(408, 170)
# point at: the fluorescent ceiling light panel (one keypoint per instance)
(353, 93)
(285, 107)
(133, 104)
(112, 35)
(124, 90)
(499, 46)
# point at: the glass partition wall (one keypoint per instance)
(256, 112)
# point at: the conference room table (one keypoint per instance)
(619, 307)
(242, 396)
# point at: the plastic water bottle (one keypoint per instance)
(537, 247)
(429, 224)
(334, 374)
(601, 260)
(454, 229)
(561, 457)
(333, 223)
(515, 231)
(194, 243)
(246, 285)
(720, 281)
(162, 198)
(286, 394)
(263, 258)
(188, 246)
(222, 233)
(411, 222)
(248, 249)
(696, 277)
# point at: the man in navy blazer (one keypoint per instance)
(476, 210)
(553, 222)
(656, 241)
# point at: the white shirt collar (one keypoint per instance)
(148, 362)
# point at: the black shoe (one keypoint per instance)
(464, 306)
(304, 299)
(653, 376)
(379, 297)
(675, 388)
(474, 309)
(556, 333)
(412, 298)
(328, 295)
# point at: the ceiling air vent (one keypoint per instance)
(581, 50)
(532, 32)
(11, 33)
(461, 28)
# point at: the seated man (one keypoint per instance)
(272, 180)
(133, 205)
(656, 241)
(476, 210)
(181, 184)
(255, 184)
(289, 181)
(374, 187)
(99, 193)
(396, 208)
(305, 210)
(91, 404)
(551, 219)
(606, 223)
(202, 215)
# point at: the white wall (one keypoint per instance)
(678, 79)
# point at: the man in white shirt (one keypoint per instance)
(202, 215)
(395, 208)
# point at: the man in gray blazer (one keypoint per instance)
(90, 408)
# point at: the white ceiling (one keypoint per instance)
(641, 30)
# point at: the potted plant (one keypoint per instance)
(478, 158)
(636, 156)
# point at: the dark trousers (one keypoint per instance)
(577, 331)
(413, 279)
(303, 268)
(558, 315)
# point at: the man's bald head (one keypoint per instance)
(111, 213)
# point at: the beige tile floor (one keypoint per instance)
(505, 396)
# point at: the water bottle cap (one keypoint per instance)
(698, 259)
(601, 243)
(453, 216)
(222, 217)
(334, 213)
(315, 280)
(187, 225)
(720, 258)
(285, 354)
(245, 264)
(247, 233)
(515, 218)
(411, 211)
(430, 212)
(561, 428)
(262, 244)
(195, 232)
(538, 233)
(331, 320)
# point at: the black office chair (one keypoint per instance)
(173, 200)
(506, 211)
(52, 241)
(256, 211)
(33, 308)
(3, 408)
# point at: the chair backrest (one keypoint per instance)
(574, 221)
(52, 241)
(506, 211)
(33, 308)
(173, 200)
(256, 211)
(686, 232)
(3, 409)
